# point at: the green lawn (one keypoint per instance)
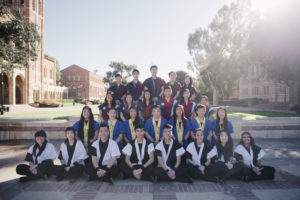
(251, 115)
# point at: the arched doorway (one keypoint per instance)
(5, 97)
(19, 90)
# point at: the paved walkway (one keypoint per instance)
(283, 154)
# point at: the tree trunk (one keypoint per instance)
(215, 97)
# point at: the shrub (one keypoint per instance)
(48, 103)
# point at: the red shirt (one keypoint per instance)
(168, 107)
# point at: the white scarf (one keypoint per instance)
(167, 153)
(140, 155)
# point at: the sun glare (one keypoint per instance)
(268, 6)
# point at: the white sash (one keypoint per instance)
(140, 155)
(167, 153)
(199, 154)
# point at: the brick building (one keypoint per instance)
(38, 81)
(254, 84)
(82, 83)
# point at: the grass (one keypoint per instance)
(251, 115)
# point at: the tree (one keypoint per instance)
(180, 76)
(220, 50)
(18, 40)
(119, 68)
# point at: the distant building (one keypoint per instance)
(82, 84)
(38, 81)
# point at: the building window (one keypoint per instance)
(40, 8)
(79, 94)
(69, 78)
(255, 91)
(33, 5)
(74, 87)
(74, 78)
(266, 90)
(245, 91)
(85, 78)
(78, 78)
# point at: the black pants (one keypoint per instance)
(44, 168)
(181, 174)
(195, 173)
(128, 172)
(74, 171)
(110, 173)
(267, 172)
(219, 169)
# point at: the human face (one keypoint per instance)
(221, 114)
(167, 133)
(129, 99)
(112, 114)
(40, 140)
(118, 80)
(70, 135)
(223, 137)
(201, 112)
(132, 113)
(199, 137)
(156, 113)
(139, 133)
(103, 133)
(246, 139)
(86, 114)
(203, 101)
(167, 93)
(186, 95)
(172, 77)
(109, 98)
(153, 71)
(179, 111)
(187, 80)
(147, 95)
(135, 75)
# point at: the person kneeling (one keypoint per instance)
(250, 155)
(72, 153)
(169, 152)
(40, 157)
(104, 153)
(139, 157)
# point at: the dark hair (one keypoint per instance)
(182, 115)
(135, 70)
(150, 99)
(226, 151)
(156, 106)
(111, 108)
(171, 72)
(91, 132)
(103, 125)
(113, 102)
(136, 121)
(118, 75)
(125, 101)
(40, 133)
(205, 97)
(153, 66)
(141, 126)
(70, 128)
(198, 129)
(191, 81)
(224, 121)
(166, 87)
(183, 91)
(199, 106)
(167, 126)
(256, 149)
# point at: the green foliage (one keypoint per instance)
(180, 76)
(219, 51)
(119, 68)
(18, 40)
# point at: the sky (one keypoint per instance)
(93, 33)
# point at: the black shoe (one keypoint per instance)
(59, 178)
(92, 178)
(108, 180)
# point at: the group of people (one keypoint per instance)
(151, 131)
